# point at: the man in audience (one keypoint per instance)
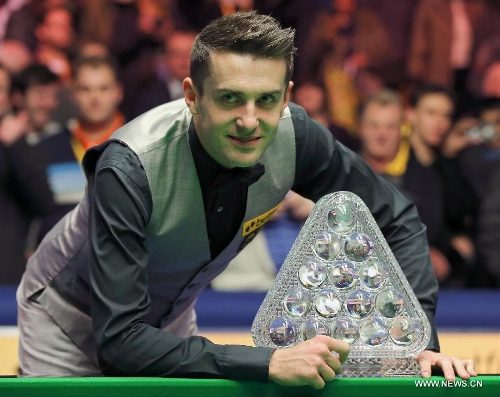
(482, 149)
(436, 144)
(35, 90)
(172, 71)
(390, 154)
(55, 33)
(24, 191)
(97, 94)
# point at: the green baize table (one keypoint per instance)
(486, 385)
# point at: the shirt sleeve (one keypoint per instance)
(325, 166)
(127, 346)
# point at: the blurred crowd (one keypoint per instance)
(413, 86)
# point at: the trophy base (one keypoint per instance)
(380, 368)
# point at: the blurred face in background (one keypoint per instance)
(4, 91)
(178, 51)
(431, 118)
(56, 29)
(344, 6)
(311, 97)
(380, 130)
(97, 94)
(40, 101)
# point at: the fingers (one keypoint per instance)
(463, 368)
(327, 373)
(317, 382)
(333, 362)
(338, 346)
(312, 362)
(449, 365)
(446, 365)
(425, 366)
(469, 366)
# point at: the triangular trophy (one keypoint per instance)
(341, 279)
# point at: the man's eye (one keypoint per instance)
(230, 98)
(267, 99)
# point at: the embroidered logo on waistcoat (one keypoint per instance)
(252, 227)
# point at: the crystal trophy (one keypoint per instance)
(341, 279)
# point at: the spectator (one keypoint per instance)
(172, 71)
(312, 97)
(97, 95)
(448, 197)
(139, 31)
(488, 234)
(14, 56)
(55, 36)
(484, 79)
(17, 22)
(446, 34)
(24, 191)
(348, 45)
(390, 155)
(35, 90)
(482, 152)
(397, 17)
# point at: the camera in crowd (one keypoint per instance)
(482, 133)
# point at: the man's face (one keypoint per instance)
(97, 94)
(311, 97)
(380, 130)
(431, 118)
(237, 116)
(57, 29)
(178, 51)
(40, 102)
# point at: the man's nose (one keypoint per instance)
(248, 121)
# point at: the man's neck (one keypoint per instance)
(94, 129)
(424, 153)
(377, 164)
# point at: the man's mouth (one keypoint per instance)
(245, 141)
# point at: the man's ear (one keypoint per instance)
(190, 95)
(288, 93)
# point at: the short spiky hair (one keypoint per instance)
(243, 33)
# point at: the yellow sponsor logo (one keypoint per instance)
(256, 223)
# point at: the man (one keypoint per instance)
(35, 91)
(24, 191)
(172, 198)
(481, 153)
(393, 156)
(436, 143)
(54, 33)
(168, 86)
(96, 94)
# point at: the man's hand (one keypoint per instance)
(441, 265)
(310, 363)
(457, 140)
(449, 365)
